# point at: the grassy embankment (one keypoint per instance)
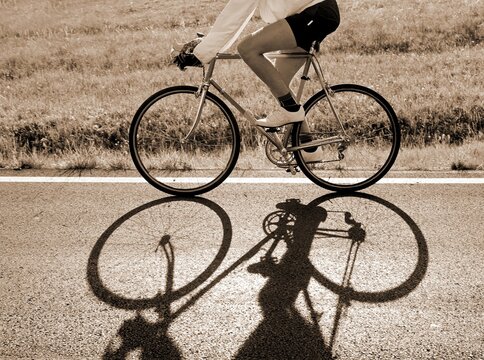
(72, 74)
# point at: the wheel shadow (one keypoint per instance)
(338, 221)
(153, 232)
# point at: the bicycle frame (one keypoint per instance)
(281, 145)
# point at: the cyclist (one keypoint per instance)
(292, 25)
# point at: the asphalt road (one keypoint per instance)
(245, 272)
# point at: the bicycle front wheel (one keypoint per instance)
(359, 151)
(174, 154)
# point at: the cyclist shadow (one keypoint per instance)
(284, 333)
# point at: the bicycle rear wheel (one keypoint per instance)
(369, 143)
(173, 162)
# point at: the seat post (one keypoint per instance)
(314, 47)
(304, 76)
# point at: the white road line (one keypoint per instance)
(230, 180)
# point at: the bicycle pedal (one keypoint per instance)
(296, 170)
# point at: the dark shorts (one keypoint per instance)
(314, 23)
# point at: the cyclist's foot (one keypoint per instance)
(312, 157)
(282, 117)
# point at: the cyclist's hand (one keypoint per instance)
(183, 60)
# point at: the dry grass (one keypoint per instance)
(72, 74)
(469, 155)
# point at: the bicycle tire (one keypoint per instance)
(178, 166)
(373, 143)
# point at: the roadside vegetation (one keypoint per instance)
(72, 74)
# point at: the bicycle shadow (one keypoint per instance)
(284, 333)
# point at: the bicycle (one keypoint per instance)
(184, 140)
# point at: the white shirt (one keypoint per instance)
(234, 17)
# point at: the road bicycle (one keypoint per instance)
(184, 140)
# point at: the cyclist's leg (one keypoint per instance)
(276, 36)
(288, 67)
